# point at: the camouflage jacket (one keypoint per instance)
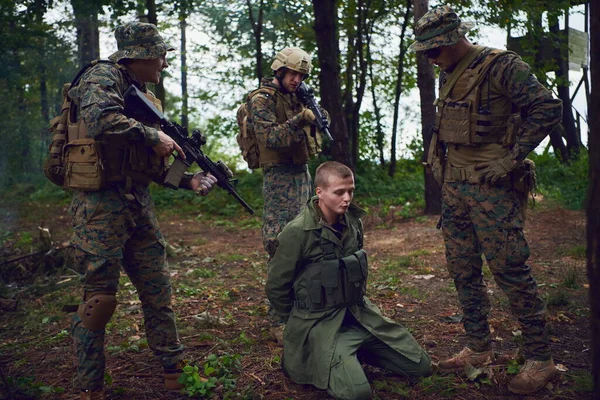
(512, 78)
(99, 98)
(271, 132)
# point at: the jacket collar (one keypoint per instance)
(313, 219)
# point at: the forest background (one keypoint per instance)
(379, 95)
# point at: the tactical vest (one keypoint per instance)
(297, 154)
(471, 114)
(91, 165)
(333, 282)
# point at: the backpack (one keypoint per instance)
(54, 165)
(246, 138)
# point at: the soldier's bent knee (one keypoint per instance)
(97, 311)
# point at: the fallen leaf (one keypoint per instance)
(425, 277)
(561, 368)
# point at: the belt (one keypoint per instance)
(454, 174)
(288, 168)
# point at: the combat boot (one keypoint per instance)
(89, 395)
(467, 357)
(532, 377)
(172, 378)
(172, 381)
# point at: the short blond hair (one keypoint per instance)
(331, 169)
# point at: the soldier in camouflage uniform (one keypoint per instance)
(287, 138)
(116, 227)
(491, 113)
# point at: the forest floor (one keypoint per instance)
(218, 269)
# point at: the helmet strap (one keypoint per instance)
(279, 75)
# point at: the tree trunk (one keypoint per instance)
(88, 36)
(426, 84)
(593, 199)
(184, 89)
(257, 27)
(392, 168)
(562, 74)
(537, 33)
(159, 88)
(356, 49)
(328, 51)
(379, 134)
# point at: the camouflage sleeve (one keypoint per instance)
(512, 77)
(101, 106)
(282, 270)
(268, 132)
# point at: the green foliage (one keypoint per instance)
(401, 195)
(218, 370)
(513, 367)
(564, 183)
(28, 387)
(445, 386)
(584, 381)
(577, 251)
(557, 298)
(571, 279)
(399, 389)
(217, 203)
(203, 273)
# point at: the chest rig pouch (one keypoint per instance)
(91, 165)
(460, 118)
(333, 282)
(286, 107)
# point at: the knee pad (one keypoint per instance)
(97, 311)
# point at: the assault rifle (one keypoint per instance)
(139, 107)
(306, 95)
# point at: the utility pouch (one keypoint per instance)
(330, 277)
(355, 267)
(434, 163)
(352, 266)
(361, 255)
(523, 180)
(314, 140)
(137, 166)
(455, 122)
(523, 177)
(316, 294)
(512, 128)
(84, 169)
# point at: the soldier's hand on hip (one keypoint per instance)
(491, 171)
(202, 183)
(166, 146)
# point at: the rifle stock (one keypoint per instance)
(137, 106)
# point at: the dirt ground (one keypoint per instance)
(219, 269)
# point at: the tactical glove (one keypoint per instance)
(305, 117)
(492, 171)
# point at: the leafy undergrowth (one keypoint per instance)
(218, 273)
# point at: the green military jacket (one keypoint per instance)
(310, 337)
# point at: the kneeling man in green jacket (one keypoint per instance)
(317, 282)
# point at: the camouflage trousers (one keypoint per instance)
(286, 191)
(481, 219)
(111, 233)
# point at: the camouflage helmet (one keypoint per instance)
(292, 58)
(439, 27)
(139, 40)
